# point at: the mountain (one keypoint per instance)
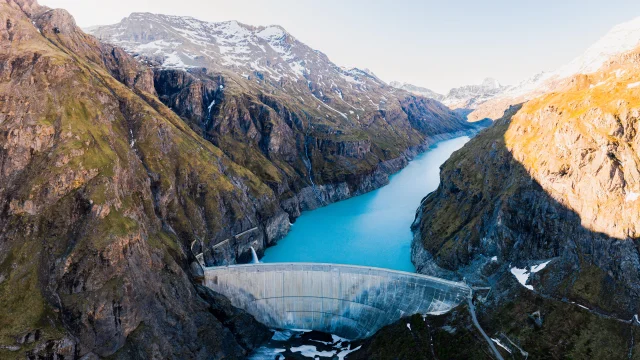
(470, 96)
(461, 98)
(623, 37)
(120, 177)
(422, 91)
(544, 207)
(104, 190)
(313, 131)
(265, 56)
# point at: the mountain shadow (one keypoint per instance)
(489, 205)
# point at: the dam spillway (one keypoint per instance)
(350, 301)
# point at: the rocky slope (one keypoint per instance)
(547, 201)
(103, 192)
(314, 132)
(523, 326)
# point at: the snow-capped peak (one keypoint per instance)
(491, 83)
(263, 55)
(272, 32)
(623, 37)
(422, 91)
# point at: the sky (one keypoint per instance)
(436, 44)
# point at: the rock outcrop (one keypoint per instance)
(103, 191)
(546, 201)
(542, 209)
(305, 159)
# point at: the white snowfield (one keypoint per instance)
(632, 196)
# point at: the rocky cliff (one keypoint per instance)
(546, 201)
(307, 159)
(103, 191)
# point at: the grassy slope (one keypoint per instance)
(114, 185)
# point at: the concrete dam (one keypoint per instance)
(350, 301)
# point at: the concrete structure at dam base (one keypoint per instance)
(350, 301)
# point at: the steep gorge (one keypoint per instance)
(284, 144)
(110, 199)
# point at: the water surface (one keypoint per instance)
(372, 229)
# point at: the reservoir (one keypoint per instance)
(372, 229)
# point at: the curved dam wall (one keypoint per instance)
(349, 301)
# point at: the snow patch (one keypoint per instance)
(409, 326)
(632, 196)
(173, 60)
(633, 85)
(582, 306)
(539, 267)
(341, 355)
(596, 85)
(271, 32)
(282, 335)
(522, 275)
(311, 351)
(338, 339)
(501, 345)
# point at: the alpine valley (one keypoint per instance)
(135, 155)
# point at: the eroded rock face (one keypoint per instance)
(554, 180)
(307, 160)
(298, 121)
(522, 325)
(103, 191)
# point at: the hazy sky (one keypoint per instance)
(436, 44)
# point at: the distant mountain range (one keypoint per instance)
(422, 91)
(464, 97)
(490, 99)
(622, 38)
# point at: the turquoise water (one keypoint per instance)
(372, 229)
